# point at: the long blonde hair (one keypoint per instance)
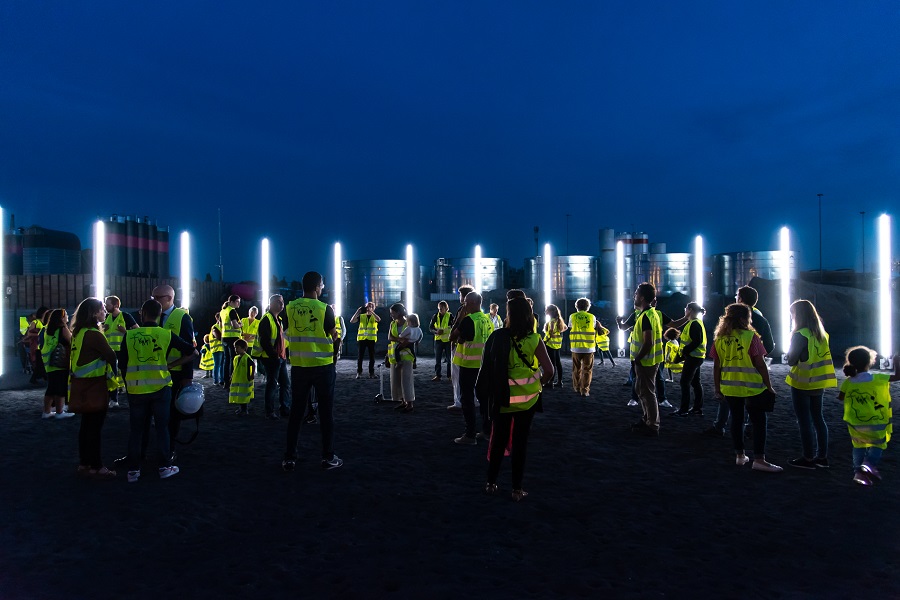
(806, 315)
(555, 317)
(737, 316)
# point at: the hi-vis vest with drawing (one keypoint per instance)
(524, 379)
(817, 373)
(469, 354)
(442, 322)
(868, 412)
(173, 324)
(740, 379)
(257, 350)
(699, 351)
(553, 335)
(111, 331)
(228, 331)
(241, 389)
(95, 368)
(582, 333)
(655, 356)
(368, 328)
(147, 371)
(309, 344)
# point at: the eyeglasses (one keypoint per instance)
(160, 297)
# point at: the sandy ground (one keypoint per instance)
(610, 515)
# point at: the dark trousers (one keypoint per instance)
(757, 417)
(142, 408)
(557, 363)
(276, 381)
(607, 354)
(690, 378)
(520, 422)
(228, 357)
(303, 380)
(89, 439)
(362, 346)
(441, 354)
(467, 379)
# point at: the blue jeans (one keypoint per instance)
(143, 407)
(303, 381)
(808, 408)
(276, 377)
(441, 354)
(218, 366)
(870, 456)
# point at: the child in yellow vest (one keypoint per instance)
(241, 390)
(670, 354)
(206, 358)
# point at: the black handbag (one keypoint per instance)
(59, 358)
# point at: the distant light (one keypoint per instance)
(785, 275)
(338, 283)
(99, 260)
(265, 272)
(885, 302)
(3, 302)
(409, 279)
(478, 268)
(620, 289)
(548, 277)
(185, 270)
(698, 270)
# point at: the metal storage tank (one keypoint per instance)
(764, 265)
(493, 273)
(443, 277)
(46, 251)
(116, 246)
(572, 277)
(131, 244)
(658, 248)
(380, 281)
(669, 273)
(161, 251)
(143, 240)
(637, 242)
(13, 261)
(724, 281)
(606, 269)
(534, 273)
(425, 283)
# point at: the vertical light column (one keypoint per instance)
(885, 302)
(410, 292)
(3, 299)
(785, 274)
(185, 270)
(620, 292)
(477, 281)
(698, 270)
(548, 277)
(265, 273)
(338, 282)
(99, 260)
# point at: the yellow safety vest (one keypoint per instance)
(173, 324)
(655, 356)
(603, 340)
(111, 330)
(241, 389)
(699, 351)
(257, 351)
(23, 325)
(582, 333)
(671, 355)
(552, 335)
(368, 328)
(739, 378)
(309, 344)
(817, 372)
(524, 379)
(249, 329)
(405, 354)
(147, 371)
(469, 354)
(868, 412)
(95, 368)
(215, 344)
(442, 322)
(228, 331)
(207, 363)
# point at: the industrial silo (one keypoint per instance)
(45, 251)
(606, 267)
(493, 273)
(143, 240)
(160, 251)
(634, 242)
(670, 273)
(379, 281)
(116, 246)
(131, 245)
(443, 277)
(764, 264)
(724, 281)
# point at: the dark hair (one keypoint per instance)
(55, 320)
(398, 308)
(647, 292)
(858, 360)
(465, 289)
(114, 299)
(694, 307)
(240, 343)
(519, 318)
(233, 298)
(671, 333)
(515, 293)
(150, 310)
(748, 295)
(84, 314)
(40, 312)
(583, 304)
(311, 281)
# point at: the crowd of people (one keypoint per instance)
(498, 369)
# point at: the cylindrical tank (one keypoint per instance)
(425, 283)
(143, 240)
(764, 264)
(493, 273)
(47, 251)
(575, 277)
(132, 245)
(162, 252)
(13, 259)
(669, 273)
(658, 248)
(379, 281)
(724, 281)
(116, 247)
(635, 243)
(443, 276)
(534, 273)
(606, 267)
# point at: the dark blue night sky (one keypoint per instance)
(450, 124)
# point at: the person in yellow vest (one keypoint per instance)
(250, 326)
(741, 379)
(341, 328)
(312, 340)
(463, 291)
(56, 342)
(22, 345)
(646, 351)
(32, 344)
(493, 314)
(812, 372)
(603, 344)
(243, 372)
(231, 331)
(366, 336)
(440, 326)
(114, 326)
(180, 323)
(144, 364)
(582, 342)
(92, 368)
(403, 334)
(516, 366)
(553, 330)
(671, 351)
(215, 342)
(270, 352)
(691, 354)
(469, 333)
(207, 362)
(867, 411)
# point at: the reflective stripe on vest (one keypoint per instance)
(95, 368)
(368, 328)
(524, 380)
(817, 373)
(868, 412)
(228, 330)
(553, 335)
(112, 333)
(147, 371)
(655, 356)
(308, 343)
(739, 378)
(257, 350)
(207, 363)
(469, 354)
(173, 324)
(241, 389)
(582, 333)
(699, 351)
(442, 321)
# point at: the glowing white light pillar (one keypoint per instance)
(410, 293)
(185, 270)
(698, 270)
(265, 273)
(99, 260)
(885, 302)
(478, 268)
(548, 277)
(620, 292)
(785, 274)
(3, 303)
(338, 283)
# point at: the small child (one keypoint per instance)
(671, 352)
(241, 390)
(602, 339)
(207, 363)
(867, 411)
(409, 337)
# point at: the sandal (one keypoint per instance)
(490, 489)
(102, 473)
(518, 495)
(401, 406)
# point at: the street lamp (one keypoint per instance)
(185, 271)
(99, 260)
(620, 293)
(409, 279)
(548, 274)
(477, 278)
(264, 272)
(785, 275)
(698, 270)
(885, 301)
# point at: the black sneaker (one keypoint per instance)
(821, 462)
(288, 465)
(802, 463)
(334, 463)
(272, 416)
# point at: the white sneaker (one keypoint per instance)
(666, 404)
(133, 476)
(166, 472)
(64, 415)
(632, 403)
(113, 404)
(741, 460)
(48, 415)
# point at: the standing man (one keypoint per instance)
(312, 342)
(440, 326)
(366, 336)
(646, 355)
(582, 342)
(464, 291)
(114, 327)
(180, 323)
(470, 333)
(269, 349)
(496, 321)
(231, 332)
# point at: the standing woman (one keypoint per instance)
(516, 367)
(400, 361)
(218, 352)
(693, 351)
(812, 371)
(553, 330)
(56, 334)
(742, 379)
(92, 358)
